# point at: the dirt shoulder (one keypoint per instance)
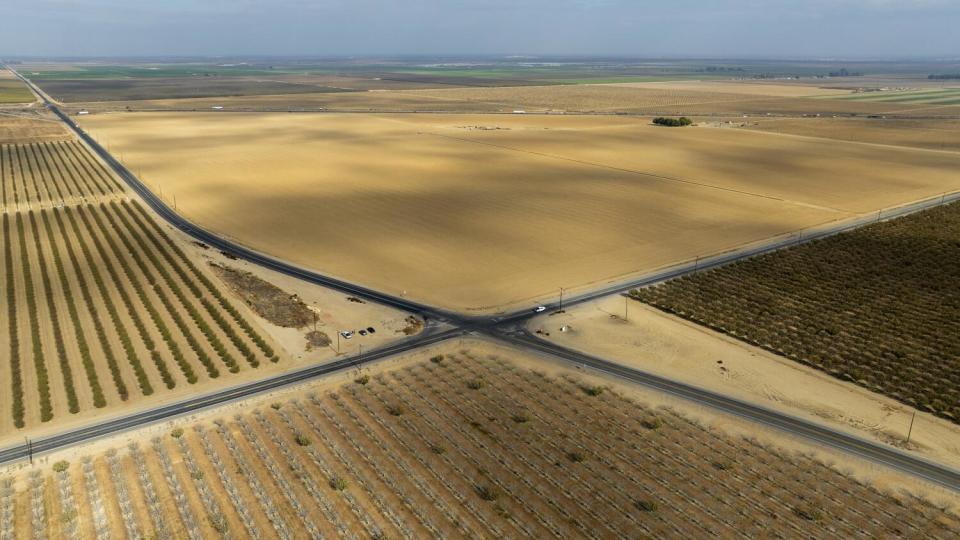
(671, 347)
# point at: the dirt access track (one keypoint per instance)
(486, 212)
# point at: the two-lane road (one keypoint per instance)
(509, 328)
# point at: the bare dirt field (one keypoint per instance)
(645, 338)
(481, 441)
(479, 212)
(18, 127)
(932, 134)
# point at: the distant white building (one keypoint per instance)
(83, 112)
(217, 107)
(519, 111)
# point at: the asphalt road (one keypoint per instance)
(507, 327)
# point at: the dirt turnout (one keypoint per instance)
(432, 207)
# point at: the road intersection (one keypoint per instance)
(442, 325)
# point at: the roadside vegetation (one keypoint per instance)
(877, 307)
(336, 463)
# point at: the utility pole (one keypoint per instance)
(338, 342)
(561, 301)
(626, 307)
(29, 449)
(910, 431)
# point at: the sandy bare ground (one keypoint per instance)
(483, 212)
(932, 134)
(20, 127)
(642, 337)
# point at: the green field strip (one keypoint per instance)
(901, 97)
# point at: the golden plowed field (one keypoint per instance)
(456, 447)
(483, 211)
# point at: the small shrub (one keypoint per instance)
(337, 483)
(652, 423)
(807, 513)
(197, 475)
(363, 379)
(301, 439)
(475, 384)
(520, 418)
(177, 433)
(437, 359)
(487, 493)
(576, 456)
(722, 465)
(61, 466)
(593, 390)
(438, 449)
(644, 505)
(395, 410)
(275, 405)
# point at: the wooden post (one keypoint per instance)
(910, 431)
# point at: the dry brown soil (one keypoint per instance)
(451, 211)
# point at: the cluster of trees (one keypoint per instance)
(844, 72)
(944, 76)
(215, 292)
(672, 122)
(126, 343)
(43, 377)
(16, 374)
(81, 340)
(72, 401)
(134, 281)
(868, 306)
(154, 314)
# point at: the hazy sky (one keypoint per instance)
(756, 28)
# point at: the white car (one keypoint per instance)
(539, 309)
(347, 334)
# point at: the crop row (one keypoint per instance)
(462, 447)
(52, 172)
(118, 278)
(874, 306)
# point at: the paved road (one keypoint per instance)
(891, 457)
(508, 327)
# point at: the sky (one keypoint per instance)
(639, 28)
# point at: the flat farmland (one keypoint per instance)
(933, 134)
(29, 127)
(12, 90)
(463, 445)
(92, 90)
(874, 306)
(101, 309)
(480, 212)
